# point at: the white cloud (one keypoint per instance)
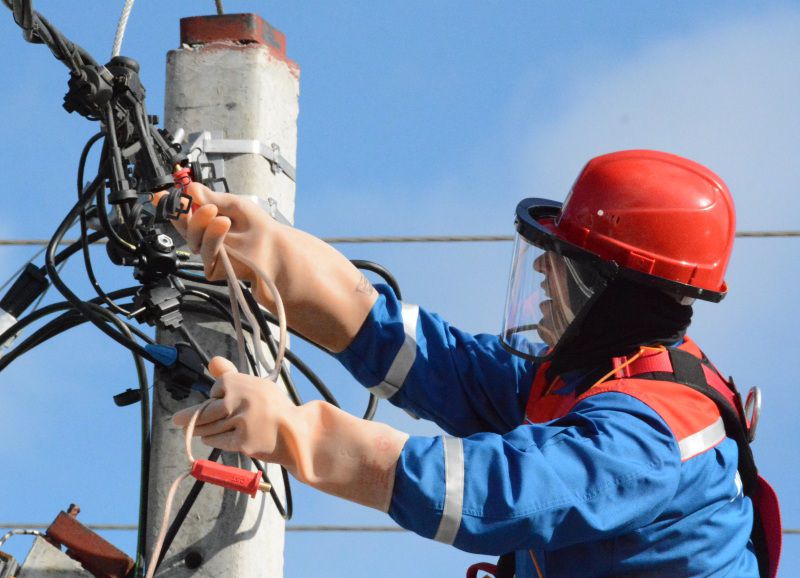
(724, 96)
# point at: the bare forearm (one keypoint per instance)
(326, 298)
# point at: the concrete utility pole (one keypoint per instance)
(232, 80)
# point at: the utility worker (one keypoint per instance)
(591, 438)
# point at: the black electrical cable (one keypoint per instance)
(44, 333)
(290, 356)
(266, 334)
(184, 510)
(54, 308)
(75, 247)
(144, 399)
(287, 512)
(223, 312)
(102, 214)
(198, 278)
(87, 260)
(379, 270)
(38, 30)
(74, 299)
(191, 266)
(55, 327)
(186, 334)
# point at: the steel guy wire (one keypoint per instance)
(420, 238)
(289, 528)
(121, 26)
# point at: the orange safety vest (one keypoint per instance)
(697, 404)
(691, 396)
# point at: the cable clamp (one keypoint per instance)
(207, 150)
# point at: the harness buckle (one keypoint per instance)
(752, 412)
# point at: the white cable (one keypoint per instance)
(237, 301)
(151, 567)
(279, 310)
(123, 23)
(233, 282)
(20, 532)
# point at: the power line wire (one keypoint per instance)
(420, 238)
(289, 528)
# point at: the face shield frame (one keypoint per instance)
(535, 223)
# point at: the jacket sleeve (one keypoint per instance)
(465, 383)
(608, 467)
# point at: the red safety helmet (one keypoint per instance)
(653, 217)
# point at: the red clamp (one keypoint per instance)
(229, 477)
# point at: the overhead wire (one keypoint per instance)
(121, 26)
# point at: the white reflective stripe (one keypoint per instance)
(404, 359)
(453, 490)
(703, 440)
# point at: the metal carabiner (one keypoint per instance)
(752, 412)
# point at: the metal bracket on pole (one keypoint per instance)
(209, 149)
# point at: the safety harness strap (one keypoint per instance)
(697, 373)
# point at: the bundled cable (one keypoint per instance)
(136, 159)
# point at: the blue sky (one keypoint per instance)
(423, 118)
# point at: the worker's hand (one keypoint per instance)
(245, 414)
(218, 218)
(319, 444)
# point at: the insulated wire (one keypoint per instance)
(155, 556)
(55, 327)
(221, 312)
(87, 259)
(121, 25)
(53, 308)
(20, 532)
(144, 474)
(67, 292)
(235, 292)
(183, 511)
(235, 295)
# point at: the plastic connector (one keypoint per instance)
(30, 284)
(183, 369)
(229, 477)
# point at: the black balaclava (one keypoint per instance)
(625, 316)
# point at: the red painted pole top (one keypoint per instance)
(234, 28)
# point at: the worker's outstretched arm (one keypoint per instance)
(320, 445)
(401, 352)
(325, 296)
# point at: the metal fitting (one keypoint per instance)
(164, 243)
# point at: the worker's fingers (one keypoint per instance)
(211, 244)
(197, 224)
(182, 417)
(227, 441)
(219, 366)
(213, 428)
(228, 204)
(215, 410)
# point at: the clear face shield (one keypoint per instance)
(548, 295)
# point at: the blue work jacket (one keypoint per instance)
(604, 490)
